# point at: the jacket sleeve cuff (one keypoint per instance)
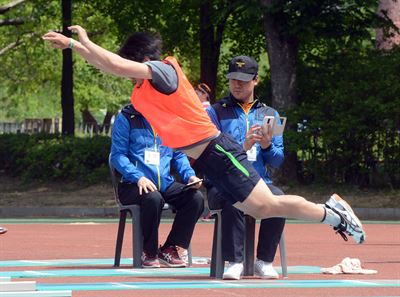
(268, 148)
(134, 177)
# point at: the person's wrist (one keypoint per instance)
(267, 147)
(71, 43)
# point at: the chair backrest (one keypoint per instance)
(114, 181)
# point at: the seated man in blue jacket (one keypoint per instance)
(145, 165)
(241, 115)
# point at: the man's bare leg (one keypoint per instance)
(261, 203)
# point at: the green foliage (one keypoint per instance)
(27, 81)
(93, 89)
(332, 19)
(348, 93)
(350, 105)
(30, 86)
(239, 19)
(53, 157)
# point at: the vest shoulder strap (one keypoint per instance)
(134, 117)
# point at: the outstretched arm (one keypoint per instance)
(98, 56)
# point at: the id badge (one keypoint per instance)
(252, 154)
(151, 157)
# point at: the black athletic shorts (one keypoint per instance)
(225, 164)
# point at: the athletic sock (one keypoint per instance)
(331, 217)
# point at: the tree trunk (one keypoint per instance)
(392, 9)
(67, 96)
(107, 121)
(210, 46)
(282, 54)
(89, 121)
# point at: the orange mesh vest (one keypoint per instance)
(179, 118)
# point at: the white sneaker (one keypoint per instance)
(350, 224)
(265, 270)
(332, 201)
(234, 271)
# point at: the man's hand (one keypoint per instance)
(56, 40)
(266, 139)
(146, 185)
(195, 179)
(252, 136)
(83, 37)
(61, 41)
(260, 134)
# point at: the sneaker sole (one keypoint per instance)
(257, 272)
(266, 276)
(230, 277)
(163, 262)
(149, 267)
(347, 207)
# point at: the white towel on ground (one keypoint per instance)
(348, 266)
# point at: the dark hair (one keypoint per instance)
(203, 87)
(140, 45)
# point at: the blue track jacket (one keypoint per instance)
(230, 118)
(131, 136)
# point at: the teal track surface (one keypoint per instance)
(163, 272)
(80, 271)
(219, 285)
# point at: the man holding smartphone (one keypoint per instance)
(242, 115)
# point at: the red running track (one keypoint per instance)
(306, 245)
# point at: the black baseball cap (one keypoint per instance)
(242, 68)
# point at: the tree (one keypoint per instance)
(67, 94)
(23, 57)
(296, 28)
(213, 20)
(197, 36)
(10, 21)
(282, 53)
(388, 39)
(10, 5)
(31, 70)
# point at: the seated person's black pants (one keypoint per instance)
(189, 206)
(233, 228)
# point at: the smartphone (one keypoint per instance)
(277, 126)
(191, 184)
(269, 121)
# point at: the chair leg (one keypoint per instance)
(213, 263)
(282, 252)
(217, 262)
(137, 237)
(190, 256)
(120, 237)
(250, 227)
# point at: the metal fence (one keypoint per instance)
(32, 126)
(52, 126)
(89, 129)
